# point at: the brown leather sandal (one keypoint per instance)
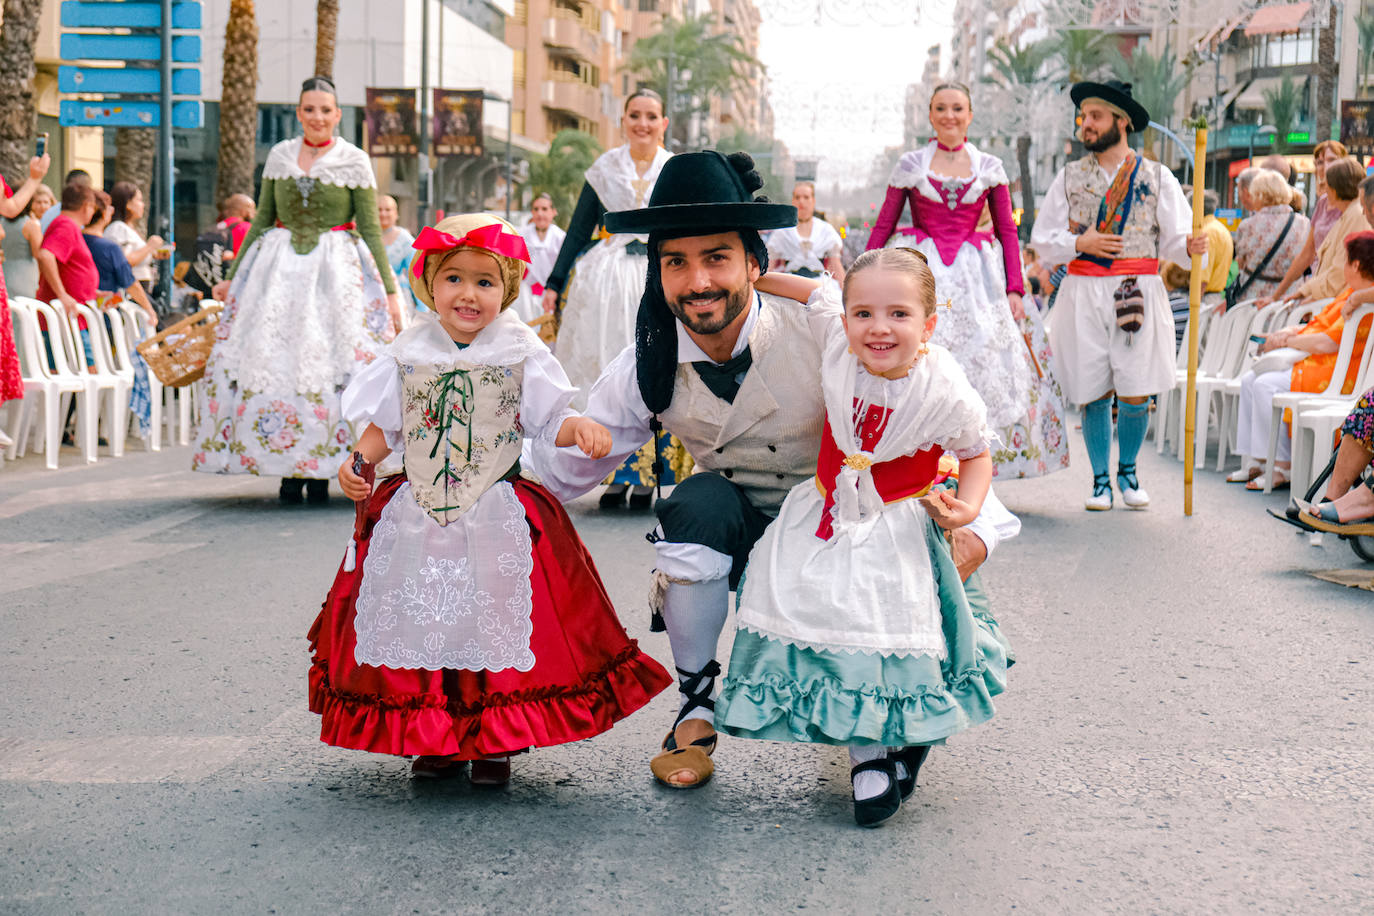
(695, 757)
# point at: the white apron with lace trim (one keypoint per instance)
(870, 587)
(446, 580)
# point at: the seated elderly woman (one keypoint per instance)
(1270, 238)
(1320, 340)
(1348, 505)
(1342, 194)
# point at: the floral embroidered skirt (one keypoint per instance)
(587, 675)
(294, 330)
(781, 691)
(1360, 423)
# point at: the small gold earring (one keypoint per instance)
(949, 303)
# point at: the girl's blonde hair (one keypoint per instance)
(905, 260)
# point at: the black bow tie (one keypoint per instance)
(724, 378)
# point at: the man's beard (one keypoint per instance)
(736, 301)
(1105, 140)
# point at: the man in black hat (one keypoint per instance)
(734, 374)
(1111, 217)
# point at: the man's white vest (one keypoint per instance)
(766, 441)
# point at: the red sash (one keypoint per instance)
(1121, 267)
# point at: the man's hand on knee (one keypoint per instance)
(968, 551)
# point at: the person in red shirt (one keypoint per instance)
(239, 211)
(66, 270)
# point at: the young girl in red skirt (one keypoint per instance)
(467, 622)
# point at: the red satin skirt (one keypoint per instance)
(588, 674)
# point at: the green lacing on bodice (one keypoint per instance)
(310, 208)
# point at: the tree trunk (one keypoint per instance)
(1023, 146)
(238, 112)
(1326, 75)
(326, 31)
(17, 36)
(135, 152)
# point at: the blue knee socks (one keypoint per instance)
(1131, 422)
(1097, 434)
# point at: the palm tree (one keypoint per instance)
(1083, 53)
(1326, 74)
(1364, 27)
(689, 64)
(560, 173)
(238, 109)
(17, 35)
(326, 32)
(1020, 67)
(1283, 104)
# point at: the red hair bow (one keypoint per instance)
(490, 238)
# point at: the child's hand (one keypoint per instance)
(353, 485)
(948, 510)
(593, 438)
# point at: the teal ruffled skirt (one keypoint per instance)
(783, 692)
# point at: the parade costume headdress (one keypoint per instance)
(696, 194)
(488, 234)
(1116, 95)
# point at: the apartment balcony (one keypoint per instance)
(566, 31)
(572, 96)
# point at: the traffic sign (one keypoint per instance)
(118, 113)
(127, 80)
(130, 14)
(83, 46)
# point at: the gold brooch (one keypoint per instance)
(858, 462)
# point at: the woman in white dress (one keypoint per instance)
(812, 246)
(544, 241)
(128, 210)
(1001, 345)
(600, 277)
(310, 302)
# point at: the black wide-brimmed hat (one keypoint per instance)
(1113, 92)
(706, 191)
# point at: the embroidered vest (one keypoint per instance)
(768, 439)
(462, 432)
(1086, 186)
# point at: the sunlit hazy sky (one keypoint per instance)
(838, 90)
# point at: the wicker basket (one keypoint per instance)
(177, 355)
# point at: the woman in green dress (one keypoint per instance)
(304, 309)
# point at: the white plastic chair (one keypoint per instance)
(50, 383)
(1265, 320)
(105, 384)
(1231, 337)
(1314, 433)
(122, 337)
(1295, 400)
(1171, 403)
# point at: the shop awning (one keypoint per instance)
(1270, 20)
(1216, 36)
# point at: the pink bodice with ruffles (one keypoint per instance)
(950, 228)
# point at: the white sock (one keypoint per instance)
(694, 615)
(870, 784)
(902, 772)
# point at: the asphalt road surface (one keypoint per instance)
(1189, 729)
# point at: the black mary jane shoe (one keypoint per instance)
(292, 491)
(613, 499)
(317, 492)
(871, 812)
(911, 758)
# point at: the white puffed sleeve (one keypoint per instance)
(825, 311)
(374, 396)
(545, 396)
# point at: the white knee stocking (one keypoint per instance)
(695, 614)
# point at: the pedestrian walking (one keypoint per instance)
(307, 305)
(1112, 216)
(849, 633)
(545, 241)
(468, 622)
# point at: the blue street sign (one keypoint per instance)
(79, 46)
(135, 80)
(1229, 213)
(128, 15)
(111, 113)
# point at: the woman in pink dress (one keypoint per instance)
(1000, 344)
(11, 205)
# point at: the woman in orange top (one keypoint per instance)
(1321, 338)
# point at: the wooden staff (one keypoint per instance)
(1194, 307)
